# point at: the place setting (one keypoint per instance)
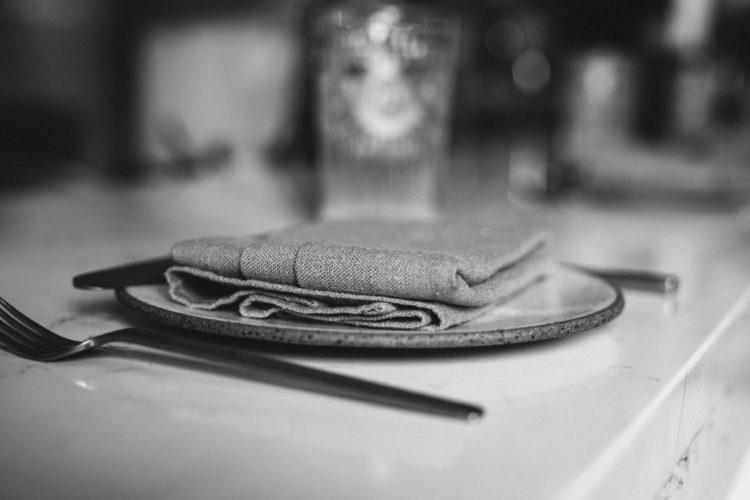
(433, 285)
(356, 285)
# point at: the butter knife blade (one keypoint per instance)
(142, 272)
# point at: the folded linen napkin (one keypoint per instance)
(427, 275)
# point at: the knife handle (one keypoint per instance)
(635, 279)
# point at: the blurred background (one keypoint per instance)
(614, 99)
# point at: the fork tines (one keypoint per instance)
(25, 337)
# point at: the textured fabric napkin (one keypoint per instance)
(427, 275)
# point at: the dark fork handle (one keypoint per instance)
(226, 353)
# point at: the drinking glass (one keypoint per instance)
(384, 94)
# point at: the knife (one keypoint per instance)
(150, 271)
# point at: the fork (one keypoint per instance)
(24, 337)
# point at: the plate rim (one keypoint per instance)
(308, 333)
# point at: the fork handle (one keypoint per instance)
(223, 352)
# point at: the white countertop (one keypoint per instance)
(653, 405)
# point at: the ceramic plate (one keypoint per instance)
(567, 301)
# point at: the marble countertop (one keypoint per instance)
(651, 405)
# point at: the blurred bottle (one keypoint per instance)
(612, 87)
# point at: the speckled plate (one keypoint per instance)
(567, 301)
